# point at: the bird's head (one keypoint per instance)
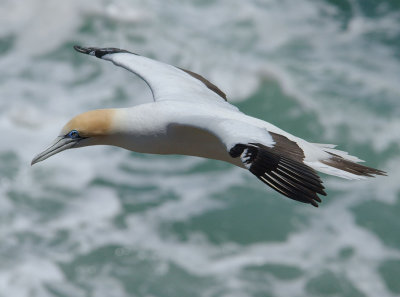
(89, 128)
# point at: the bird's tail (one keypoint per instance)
(341, 164)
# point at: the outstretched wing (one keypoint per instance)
(289, 177)
(274, 159)
(271, 157)
(166, 82)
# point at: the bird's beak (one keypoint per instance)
(60, 144)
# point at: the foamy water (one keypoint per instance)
(106, 222)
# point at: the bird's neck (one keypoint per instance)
(141, 129)
(138, 120)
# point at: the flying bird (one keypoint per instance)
(191, 116)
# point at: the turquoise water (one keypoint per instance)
(107, 222)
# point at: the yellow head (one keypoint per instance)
(91, 123)
(89, 128)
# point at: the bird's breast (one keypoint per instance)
(175, 139)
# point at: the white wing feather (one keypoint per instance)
(166, 82)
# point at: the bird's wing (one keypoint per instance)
(271, 157)
(280, 171)
(166, 82)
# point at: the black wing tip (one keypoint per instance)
(310, 198)
(289, 177)
(99, 52)
(81, 49)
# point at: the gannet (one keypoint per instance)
(191, 116)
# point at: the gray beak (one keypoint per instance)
(60, 144)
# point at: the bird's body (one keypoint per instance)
(173, 127)
(191, 116)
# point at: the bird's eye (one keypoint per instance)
(73, 134)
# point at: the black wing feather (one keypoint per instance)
(285, 175)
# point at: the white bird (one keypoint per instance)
(191, 116)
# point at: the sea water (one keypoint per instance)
(102, 221)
